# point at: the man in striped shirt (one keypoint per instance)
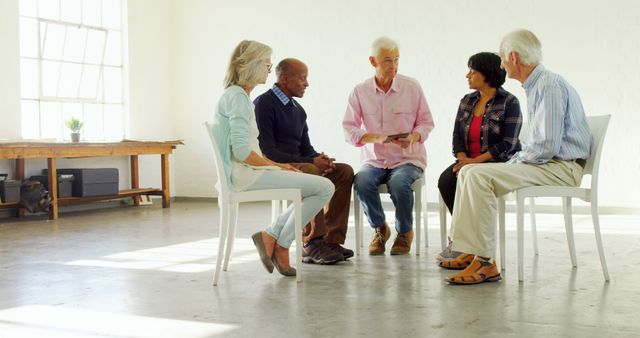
(559, 143)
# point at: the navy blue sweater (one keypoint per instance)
(284, 135)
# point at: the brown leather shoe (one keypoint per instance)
(380, 237)
(402, 244)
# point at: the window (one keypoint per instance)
(71, 65)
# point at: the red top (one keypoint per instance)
(474, 136)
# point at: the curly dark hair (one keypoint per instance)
(488, 64)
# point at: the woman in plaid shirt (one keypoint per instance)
(486, 130)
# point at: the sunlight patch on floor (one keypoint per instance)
(35, 321)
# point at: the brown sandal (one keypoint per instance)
(459, 262)
(477, 272)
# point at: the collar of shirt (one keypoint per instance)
(533, 77)
(376, 88)
(475, 96)
(282, 96)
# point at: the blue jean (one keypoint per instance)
(316, 193)
(399, 181)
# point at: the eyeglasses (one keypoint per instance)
(269, 65)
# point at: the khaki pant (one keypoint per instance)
(479, 185)
(331, 223)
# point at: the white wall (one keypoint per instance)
(150, 89)
(150, 64)
(10, 77)
(592, 43)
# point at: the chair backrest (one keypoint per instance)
(221, 186)
(524, 132)
(598, 125)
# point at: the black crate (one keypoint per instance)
(92, 181)
(64, 183)
(9, 190)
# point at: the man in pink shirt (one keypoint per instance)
(379, 109)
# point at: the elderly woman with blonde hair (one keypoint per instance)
(236, 132)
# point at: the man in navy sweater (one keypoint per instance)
(284, 138)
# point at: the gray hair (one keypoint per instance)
(247, 64)
(525, 44)
(383, 43)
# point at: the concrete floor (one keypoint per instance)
(147, 272)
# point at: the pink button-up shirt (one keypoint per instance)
(403, 109)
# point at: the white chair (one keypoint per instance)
(598, 126)
(228, 201)
(419, 204)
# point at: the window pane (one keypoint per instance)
(30, 117)
(29, 78)
(111, 13)
(100, 91)
(113, 52)
(51, 120)
(49, 9)
(91, 12)
(95, 47)
(113, 128)
(50, 76)
(69, 80)
(53, 41)
(28, 37)
(70, 10)
(93, 122)
(29, 7)
(70, 110)
(112, 85)
(74, 44)
(89, 84)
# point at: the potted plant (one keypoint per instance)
(74, 125)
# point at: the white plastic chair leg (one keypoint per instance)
(231, 234)
(298, 228)
(501, 232)
(425, 216)
(357, 222)
(224, 224)
(596, 229)
(520, 224)
(443, 222)
(275, 210)
(417, 206)
(534, 231)
(568, 224)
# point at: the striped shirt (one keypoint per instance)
(558, 126)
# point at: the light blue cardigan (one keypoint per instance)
(231, 126)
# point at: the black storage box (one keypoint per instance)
(92, 181)
(64, 183)
(9, 189)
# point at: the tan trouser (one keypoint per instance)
(474, 213)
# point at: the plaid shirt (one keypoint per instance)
(501, 125)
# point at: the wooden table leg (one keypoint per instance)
(20, 177)
(52, 172)
(135, 179)
(166, 196)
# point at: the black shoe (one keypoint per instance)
(318, 252)
(346, 253)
